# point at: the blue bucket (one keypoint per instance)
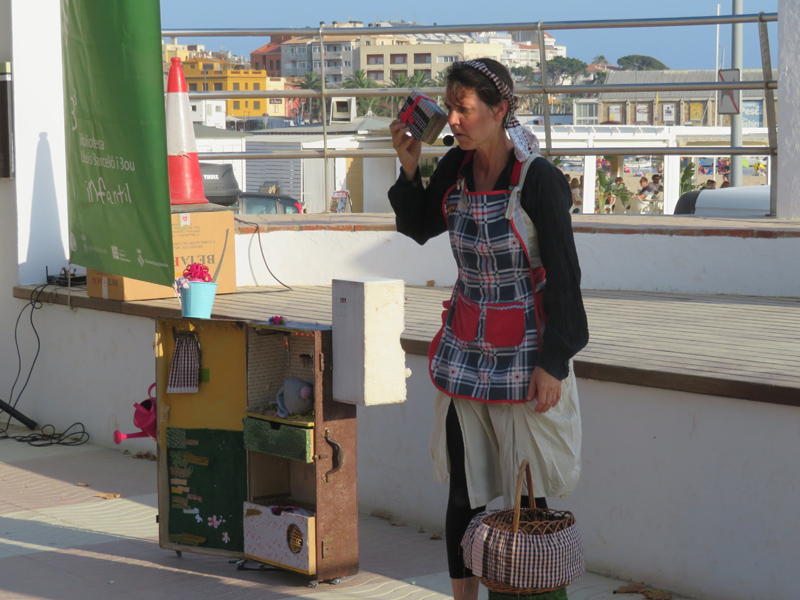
(198, 299)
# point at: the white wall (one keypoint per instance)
(789, 112)
(694, 493)
(637, 262)
(39, 138)
(379, 175)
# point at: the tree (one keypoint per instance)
(360, 80)
(600, 60)
(528, 76)
(599, 78)
(638, 62)
(312, 81)
(562, 68)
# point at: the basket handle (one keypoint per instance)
(524, 469)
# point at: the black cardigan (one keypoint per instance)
(546, 198)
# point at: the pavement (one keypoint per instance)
(60, 540)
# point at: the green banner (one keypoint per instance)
(117, 176)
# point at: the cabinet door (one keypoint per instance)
(336, 474)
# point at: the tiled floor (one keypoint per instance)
(60, 541)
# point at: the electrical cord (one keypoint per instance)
(47, 436)
(263, 257)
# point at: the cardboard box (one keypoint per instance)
(205, 237)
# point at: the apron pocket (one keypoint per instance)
(505, 324)
(465, 320)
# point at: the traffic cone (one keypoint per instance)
(185, 179)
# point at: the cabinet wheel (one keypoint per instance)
(179, 553)
(313, 584)
(336, 581)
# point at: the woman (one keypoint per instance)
(498, 368)
(575, 190)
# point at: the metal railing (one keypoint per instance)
(546, 90)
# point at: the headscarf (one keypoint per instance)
(525, 142)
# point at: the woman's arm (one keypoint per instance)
(418, 209)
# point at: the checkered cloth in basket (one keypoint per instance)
(524, 550)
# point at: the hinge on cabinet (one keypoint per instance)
(327, 547)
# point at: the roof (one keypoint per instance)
(267, 48)
(202, 131)
(696, 76)
(358, 124)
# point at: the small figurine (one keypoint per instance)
(296, 397)
(277, 320)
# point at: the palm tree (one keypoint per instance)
(312, 81)
(360, 80)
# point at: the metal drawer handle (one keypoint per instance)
(338, 455)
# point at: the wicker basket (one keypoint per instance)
(521, 552)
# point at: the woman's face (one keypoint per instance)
(472, 121)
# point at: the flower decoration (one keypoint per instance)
(194, 272)
(225, 537)
(213, 522)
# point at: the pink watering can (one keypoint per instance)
(144, 417)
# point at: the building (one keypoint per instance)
(210, 113)
(216, 75)
(300, 55)
(668, 108)
(511, 50)
(531, 38)
(385, 58)
(268, 57)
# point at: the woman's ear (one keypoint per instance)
(501, 111)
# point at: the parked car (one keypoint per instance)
(744, 202)
(268, 204)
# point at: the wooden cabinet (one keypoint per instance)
(229, 465)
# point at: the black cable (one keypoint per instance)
(47, 436)
(257, 233)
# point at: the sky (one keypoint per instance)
(677, 47)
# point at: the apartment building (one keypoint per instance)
(303, 54)
(385, 58)
(530, 41)
(216, 75)
(268, 57)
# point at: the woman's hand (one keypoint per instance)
(408, 148)
(545, 388)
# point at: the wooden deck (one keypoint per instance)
(729, 346)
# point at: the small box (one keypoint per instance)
(423, 116)
(369, 362)
(287, 539)
(205, 237)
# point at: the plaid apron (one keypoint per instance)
(488, 344)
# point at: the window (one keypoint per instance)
(217, 87)
(301, 64)
(219, 109)
(347, 63)
(397, 74)
(374, 59)
(271, 65)
(375, 75)
(291, 49)
(235, 87)
(348, 48)
(447, 59)
(586, 113)
(257, 104)
(279, 65)
(315, 49)
(246, 85)
(194, 107)
(247, 104)
(398, 59)
(316, 64)
(302, 50)
(256, 86)
(368, 43)
(235, 105)
(425, 72)
(192, 87)
(208, 67)
(422, 59)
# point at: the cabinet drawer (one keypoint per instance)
(287, 540)
(279, 439)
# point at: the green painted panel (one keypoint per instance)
(208, 488)
(279, 439)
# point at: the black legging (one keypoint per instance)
(459, 513)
